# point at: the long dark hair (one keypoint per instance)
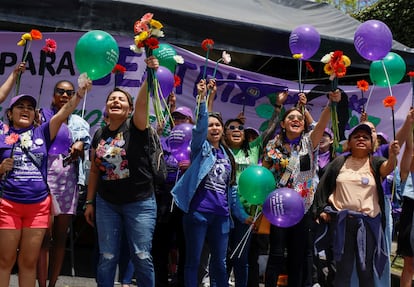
(226, 148)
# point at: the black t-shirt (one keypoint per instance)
(123, 161)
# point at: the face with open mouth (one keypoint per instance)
(118, 106)
(234, 134)
(294, 123)
(22, 114)
(215, 131)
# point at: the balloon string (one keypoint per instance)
(245, 236)
(300, 76)
(369, 97)
(386, 76)
(84, 104)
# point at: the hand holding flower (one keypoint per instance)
(201, 89)
(335, 96)
(152, 62)
(282, 97)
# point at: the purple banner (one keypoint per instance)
(238, 89)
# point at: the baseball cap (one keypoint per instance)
(15, 99)
(384, 136)
(363, 127)
(328, 132)
(185, 111)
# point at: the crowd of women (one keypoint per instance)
(197, 211)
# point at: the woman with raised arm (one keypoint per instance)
(121, 186)
(25, 204)
(292, 157)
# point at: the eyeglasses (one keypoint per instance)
(233, 127)
(60, 92)
(292, 117)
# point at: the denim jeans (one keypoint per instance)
(239, 261)
(138, 220)
(215, 229)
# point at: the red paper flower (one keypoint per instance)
(50, 46)
(207, 44)
(309, 67)
(410, 74)
(152, 43)
(389, 102)
(363, 85)
(118, 69)
(11, 139)
(177, 81)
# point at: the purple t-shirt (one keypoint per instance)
(211, 195)
(25, 182)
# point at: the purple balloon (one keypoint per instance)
(166, 80)
(284, 207)
(180, 136)
(62, 142)
(304, 40)
(373, 40)
(183, 153)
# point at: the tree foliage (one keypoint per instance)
(398, 15)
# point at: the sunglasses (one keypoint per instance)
(233, 127)
(292, 117)
(60, 92)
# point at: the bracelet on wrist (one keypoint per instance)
(89, 202)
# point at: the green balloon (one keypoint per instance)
(255, 184)
(165, 55)
(96, 54)
(394, 66)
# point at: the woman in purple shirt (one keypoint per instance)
(25, 202)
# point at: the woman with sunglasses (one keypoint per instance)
(26, 205)
(292, 157)
(65, 176)
(245, 154)
(207, 194)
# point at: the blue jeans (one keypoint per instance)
(239, 261)
(197, 227)
(138, 220)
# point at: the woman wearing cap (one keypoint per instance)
(25, 204)
(245, 154)
(292, 157)
(65, 176)
(351, 198)
(207, 195)
(169, 218)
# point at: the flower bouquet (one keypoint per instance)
(335, 66)
(147, 31)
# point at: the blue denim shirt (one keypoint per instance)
(202, 161)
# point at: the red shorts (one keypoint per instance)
(15, 215)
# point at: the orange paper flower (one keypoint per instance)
(389, 102)
(363, 85)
